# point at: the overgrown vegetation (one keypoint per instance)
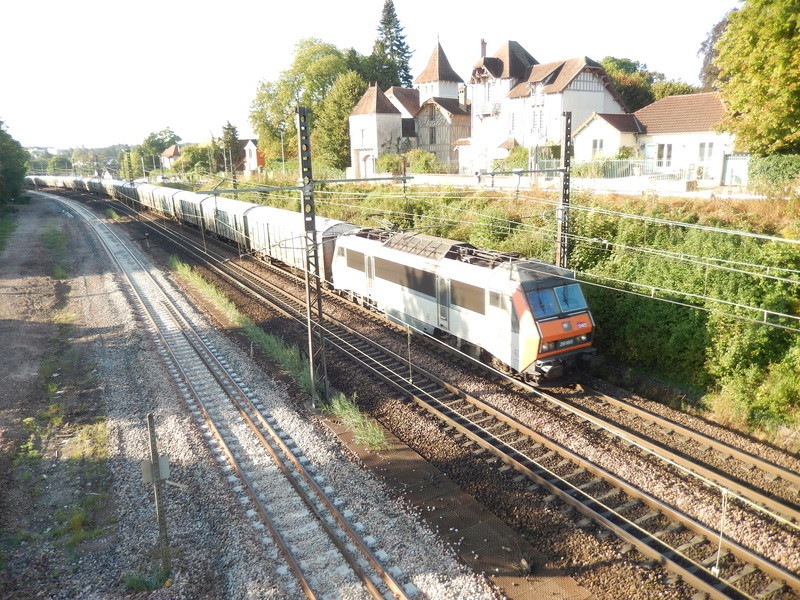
(13, 166)
(743, 372)
(365, 431)
(290, 359)
(776, 174)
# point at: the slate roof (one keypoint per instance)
(438, 68)
(556, 76)
(510, 61)
(682, 114)
(374, 101)
(451, 105)
(408, 97)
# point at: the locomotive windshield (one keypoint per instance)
(552, 301)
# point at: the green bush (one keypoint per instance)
(517, 158)
(422, 161)
(389, 163)
(492, 228)
(780, 171)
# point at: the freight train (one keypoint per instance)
(520, 315)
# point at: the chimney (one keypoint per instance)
(462, 95)
(483, 48)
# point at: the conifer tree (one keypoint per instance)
(391, 44)
(234, 151)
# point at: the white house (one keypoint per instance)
(252, 159)
(376, 127)
(517, 101)
(431, 116)
(602, 135)
(169, 156)
(673, 134)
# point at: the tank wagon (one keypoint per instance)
(521, 315)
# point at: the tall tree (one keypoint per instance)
(331, 136)
(638, 86)
(670, 87)
(759, 76)
(709, 72)
(155, 143)
(391, 44)
(232, 147)
(315, 67)
(632, 80)
(13, 165)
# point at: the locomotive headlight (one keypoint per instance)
(548, 346)
(583, 338)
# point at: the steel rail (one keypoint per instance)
(745, 491)
(710, 588)
(238, 397)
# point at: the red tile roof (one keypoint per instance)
(374, 101)
(172, 151)
(682, 114)
(438, 68)
(626, 123)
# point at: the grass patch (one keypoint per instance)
(139, 582)
(289, 357)
(55, 239)
(365, 430)
(7, 227)
(112, 214)
(60, 271)
(81, 521)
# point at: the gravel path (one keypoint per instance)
(216, 551)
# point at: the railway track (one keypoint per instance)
(660, 436)
(323, 551)
(700, 555)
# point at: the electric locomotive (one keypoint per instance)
(524, 316)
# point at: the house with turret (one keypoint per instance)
(516, 101)
(433, 116)
(510, 100)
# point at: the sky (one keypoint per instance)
(93, 73)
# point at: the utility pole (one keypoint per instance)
(562, 249)
(316, 339)
(157, 465)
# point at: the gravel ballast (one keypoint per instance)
(217, 553)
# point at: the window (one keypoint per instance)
(597, 148)
(415, 279)
(550, 302)
(570, 297)
(355, 260)
(706, 149)
(468, 296)
(543, 303)
(432, 135)
(664, 155)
